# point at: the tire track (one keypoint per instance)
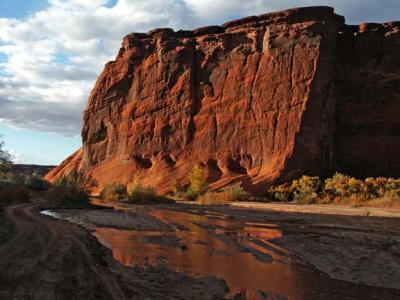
(52, 259)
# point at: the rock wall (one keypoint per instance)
(367, 138)
(259, 100)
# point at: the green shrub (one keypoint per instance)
(13, 193)
(138, 194)
(302, 190)
(381, 184)
(75, 180)
(12, 178)
(235, 193)
(392, 185)
(306, 189)
(336, 185)
(68, 196)
(282, 193)
(37, 183)
(70, 191)
(340, 185)
(114, 192)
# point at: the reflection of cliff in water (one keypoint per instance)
(205, 246)
(241, 253)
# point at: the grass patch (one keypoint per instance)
(114, 192)
(384, 202)
(226, 195)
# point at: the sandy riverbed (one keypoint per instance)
(360, 253)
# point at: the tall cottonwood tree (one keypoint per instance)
(198, 180)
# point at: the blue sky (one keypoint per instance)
(29, 146)
(51, 52)
(38, 147)
(20, 8)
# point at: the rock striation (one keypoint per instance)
(258, 100)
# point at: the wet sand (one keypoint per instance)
(261, 252)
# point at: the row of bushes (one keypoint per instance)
(339, 189)
(196, 190)
(134, 193)
(13, 193)
(68, 191)
(31, 181)
(16, 188)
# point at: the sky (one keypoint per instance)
(51, 52)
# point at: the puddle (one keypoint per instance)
(50, 213)
(209, 246)
(241, 253)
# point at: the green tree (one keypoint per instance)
(5, 160)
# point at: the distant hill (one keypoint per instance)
(30, 169)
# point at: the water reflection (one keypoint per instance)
(239, 252)
(209, 246)
(50, 213)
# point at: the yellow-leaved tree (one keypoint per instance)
(198, 182)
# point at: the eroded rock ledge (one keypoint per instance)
(258, 100)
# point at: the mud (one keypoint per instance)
(52, 259)
(197, 252)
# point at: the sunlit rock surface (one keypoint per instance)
(258, 100)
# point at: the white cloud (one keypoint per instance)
(17, 157)
(50, 60)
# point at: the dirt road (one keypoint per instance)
(51, 259)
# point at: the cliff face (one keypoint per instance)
(258, 100)
(367, 138)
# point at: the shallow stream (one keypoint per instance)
(242, 253)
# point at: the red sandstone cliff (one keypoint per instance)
(258, 100)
